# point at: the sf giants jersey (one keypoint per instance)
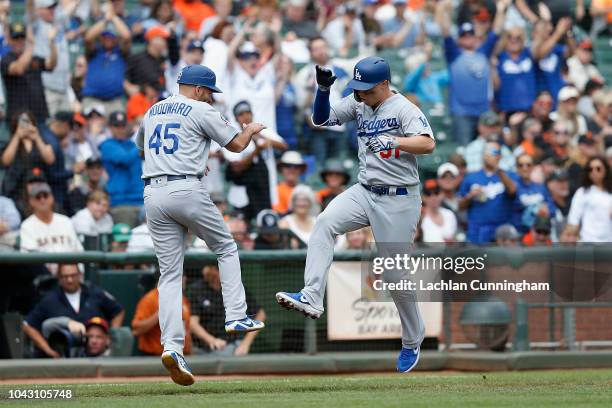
(175, 135)
(396, 116)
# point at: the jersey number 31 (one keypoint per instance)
(155, 141)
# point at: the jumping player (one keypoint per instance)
(178, 131)
(391, 132)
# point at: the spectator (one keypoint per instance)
(140, 102)
(161, 13)
(400, 31)
(560, 140)
(9, 223)
(580, 65)
(468, 69)
(286, 102)
(325, 141)
(541, 109)
(22, 72)
(107, 46)
(140, 239)
(240, 232)
(488, 195)
(253, 169)
(335, 177)
(147, 67)
(297, 22)
(91, 339)
(532, 199)
(304, 209)
(92, 180)
(438, 223)
(55, 135)
(558, 187)
(80, 147)
(600, 123)
(507, 235)
(566, 109)
(145, 325)
(45, 230)
(345, 32)
(579, 156)
(192, 54)
(590, 209)
(25, 151)
(515, 78)
(52, 23)
(121, 236)
(252, 77)
(269, 235)
(94, 219)
(602, 17)
(208, 317)
(77, 80)
(489, 130)
(97, 124)
(550, 54)
(291, 167)
(122, 162)
(193, 12)
(223, 13)
(74, 300)
(358, 240)
(530, 131)
(449, 181)
(426, 84)
(539, 233)
(585, 104)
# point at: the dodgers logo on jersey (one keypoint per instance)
(357, 75)
(423, 121)
(375, 126)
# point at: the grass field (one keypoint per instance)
(568, 388)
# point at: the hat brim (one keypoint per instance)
(211, 87)
(361, 86)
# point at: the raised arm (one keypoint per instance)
(500, 16)
(51, 60)
(543, 43)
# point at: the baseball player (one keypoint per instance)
(175, 136)
(391, 132)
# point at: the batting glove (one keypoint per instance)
(325, 78)
(381, 143)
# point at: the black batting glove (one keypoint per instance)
(325, 78)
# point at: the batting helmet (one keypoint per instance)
(198, 75)
(368, 73)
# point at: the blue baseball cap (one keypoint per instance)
(466, 28)
(195, 45)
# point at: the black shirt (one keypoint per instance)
(95, 302)
(25, 92)
(207, 303)
(143, 68)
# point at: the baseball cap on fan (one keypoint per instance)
(248, 50)
(267, 222)
(17, 30)
(45, 3)
(466, 28)
(448, 168)
(195, 45)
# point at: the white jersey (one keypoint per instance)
(176, 133)
(397, 117)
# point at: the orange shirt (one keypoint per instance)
(137, 106)
(193, 13)
(284, 198)
(150, 342)
(321, 194)
(604, 4)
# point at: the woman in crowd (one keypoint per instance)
(591, 209)
(360, 239)
(25, 151)
(567, 109)
(438, 223)
(304, 209)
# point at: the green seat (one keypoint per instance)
(122, 342)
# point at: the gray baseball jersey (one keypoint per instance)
(396, 116)
(178, 131)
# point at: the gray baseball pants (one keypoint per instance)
(393, 220)
(173, 208)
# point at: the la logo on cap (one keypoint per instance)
(357, 75)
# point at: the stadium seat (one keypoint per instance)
(122, 341)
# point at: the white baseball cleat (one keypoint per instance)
(243, 325)
(180, 372)
(297, 301)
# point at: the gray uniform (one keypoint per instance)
(175, 135)
(393, 218)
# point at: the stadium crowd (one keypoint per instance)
(514, 85)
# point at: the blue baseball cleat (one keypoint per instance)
(180, 372)
(297, 301)
(408, 359)
(243, 325)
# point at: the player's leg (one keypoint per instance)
(169, 242)
(344, 213)
(204, 219)
(394, 221)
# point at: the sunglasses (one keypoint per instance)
(40, 196)
(542, 232)
(561, 132)
(515, 38)
(525, 164)
(71, 276)
(494, 152)
(430, 193)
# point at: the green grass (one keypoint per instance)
(568, 388)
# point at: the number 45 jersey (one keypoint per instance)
(396, 116)
(175, 136)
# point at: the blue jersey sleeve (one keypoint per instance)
(451, 50)
(489, 45)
